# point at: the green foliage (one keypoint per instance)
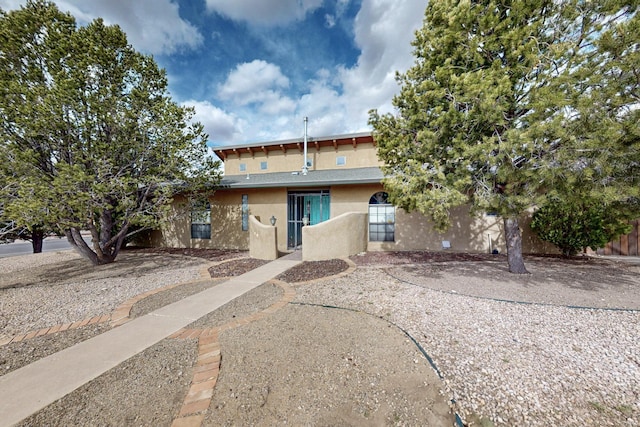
(95, 141)
(508, 100)
(573, 226)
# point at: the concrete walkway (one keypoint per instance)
(31, 388)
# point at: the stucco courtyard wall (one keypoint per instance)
(339, 237)
(226, 215)
(267, 202)
(262, 240)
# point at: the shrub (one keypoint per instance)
(575, 226)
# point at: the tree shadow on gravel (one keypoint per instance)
(579, 276)
(583, 273)
(128, 264)
(578, 281)
(208, 254)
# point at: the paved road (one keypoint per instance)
(20, 247)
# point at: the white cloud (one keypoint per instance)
(337, 101)
(152, 26)
(259, 83)
(250, 77)
(384, 50)
(264, 12)
(273, 103)
(370, 84)
(329, 21)
(341, 6)
(255, 101)
(220, 125)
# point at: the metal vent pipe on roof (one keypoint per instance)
(305, 168)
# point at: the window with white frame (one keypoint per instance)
(263, 166)
(243, 167)
(341, 161)
(382, 218)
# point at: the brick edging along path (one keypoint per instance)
(205, 374)
(119, 316)
(200, 393)
(207, 369)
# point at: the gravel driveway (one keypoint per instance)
(347, 350)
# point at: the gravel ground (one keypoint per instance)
(54, 288)
(17, 355)
(509, 363)
(535, 364)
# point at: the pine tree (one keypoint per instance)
(510, 101)
(95, 141)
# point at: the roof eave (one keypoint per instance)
(298, 184)
(290, 141)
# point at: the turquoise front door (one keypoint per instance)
(310, 207)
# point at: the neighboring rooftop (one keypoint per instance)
(294, 144)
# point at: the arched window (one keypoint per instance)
(382, 218)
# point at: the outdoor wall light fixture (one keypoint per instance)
(273, 220)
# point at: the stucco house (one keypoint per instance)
(332, 204)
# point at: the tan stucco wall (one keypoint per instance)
(413, 231)
(226, 213)
(352, 198)
(262, 240)
(340, 237)
(530, 241)
(466, 234)
(176, 233)
(364, 155)
(226, 221)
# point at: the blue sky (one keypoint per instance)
(254, 68)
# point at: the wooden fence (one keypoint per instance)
(625, 245)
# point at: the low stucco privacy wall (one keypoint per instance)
(339, 237)
(262, 240)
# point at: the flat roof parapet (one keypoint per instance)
(223, 152)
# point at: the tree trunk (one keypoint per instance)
(514, 246)
(37, 237)
(75, 239)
